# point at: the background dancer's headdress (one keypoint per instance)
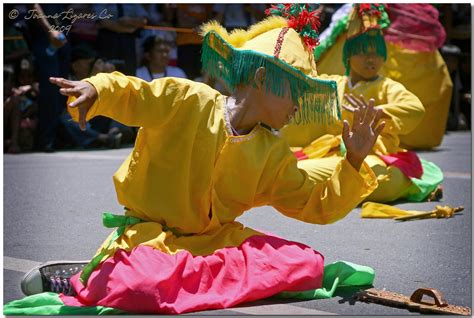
(283, 44)
(364, 31)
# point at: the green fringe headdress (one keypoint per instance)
(284, 46)
(365, 32)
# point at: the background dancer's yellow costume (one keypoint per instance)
(412, 40)
(321, 146)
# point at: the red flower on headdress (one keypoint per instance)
(364, 7)
(300, 18)
(370, 9)
(287, 6)
(310, 42)
(303, 19)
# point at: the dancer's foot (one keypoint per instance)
(51, 277)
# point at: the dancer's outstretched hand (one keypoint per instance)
(360, 138)
(85, 93)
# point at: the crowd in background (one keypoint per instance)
(149, 41)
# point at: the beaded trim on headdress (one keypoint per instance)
(221, 58)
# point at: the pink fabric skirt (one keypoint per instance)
(147, 280)
(408, 162)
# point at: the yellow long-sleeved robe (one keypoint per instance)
(322, 142)
(425, 74)
(190, 178)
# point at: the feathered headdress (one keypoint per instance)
(282, 43)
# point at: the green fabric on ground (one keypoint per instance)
(422, 188)
(51, 304)
(336, 275)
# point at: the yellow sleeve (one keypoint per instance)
(133, 101)
(404, 108)
(296, 196)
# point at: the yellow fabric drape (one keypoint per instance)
(189, 173)
(383, 211)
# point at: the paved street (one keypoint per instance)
(53, 205)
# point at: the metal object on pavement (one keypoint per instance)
(415, 302)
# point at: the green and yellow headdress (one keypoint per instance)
(364, 31)
(284, 46)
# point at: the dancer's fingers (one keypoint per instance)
(349, 109)
(379, 129)
(82, 118)
(359, 102)
(351, 100)
(69, 91)
(371, 103)
(369, 110)
(376, 118)
(62, 82)
(363, 101)
(345, 130)
(356, 119)
(81, 99)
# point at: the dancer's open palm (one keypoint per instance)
(360, 138)
(85, 94)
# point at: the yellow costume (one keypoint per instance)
(323, 140)
(321, 144)
(425, 74)
(163, 182)
(404, 108)
(178, 247)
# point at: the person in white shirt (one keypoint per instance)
(156, 59)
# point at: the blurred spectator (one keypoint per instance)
(330, 15)
(20, 107)
(191, 16)
(11, 112)
(156, 59)
(456, 19)
(159, 15)
(85, 64)
(84, 30)
(451, 55)
(238, 15)
(117, 34)
(14, 44)
(51, 52)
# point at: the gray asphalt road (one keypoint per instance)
(53, 205)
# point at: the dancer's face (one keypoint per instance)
(278, 111)
(367, 65)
